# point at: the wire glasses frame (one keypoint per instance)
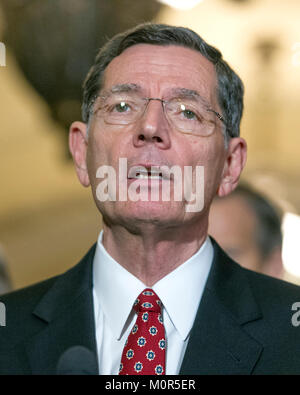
(184, 116)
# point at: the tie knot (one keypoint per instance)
(147, 301)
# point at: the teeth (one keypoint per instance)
(146, 176)
(139, 172)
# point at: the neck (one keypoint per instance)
(152, 253)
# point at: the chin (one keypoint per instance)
(146, 212)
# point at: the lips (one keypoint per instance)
(152, 172)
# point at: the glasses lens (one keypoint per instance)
(120, 109)
(190, 117)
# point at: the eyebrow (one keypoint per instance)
(121, 88)
(183, 93)
(190, 94)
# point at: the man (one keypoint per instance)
(248, 227)
(158, 97)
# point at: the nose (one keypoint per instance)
(153, 127)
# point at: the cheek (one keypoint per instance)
(97, 155)
(216, 157)
(206, 152)
(211, 155)
(100, 149)
(104, 150)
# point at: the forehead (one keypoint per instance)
(158, 69)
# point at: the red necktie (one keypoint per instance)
(144, 350)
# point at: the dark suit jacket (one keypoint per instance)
(243, 324)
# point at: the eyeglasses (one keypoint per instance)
(187, 115)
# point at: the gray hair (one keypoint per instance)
(230, 87)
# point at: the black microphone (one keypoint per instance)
(77, 360)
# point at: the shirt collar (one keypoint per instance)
(116, 289)
(181, 290)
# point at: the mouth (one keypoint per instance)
(153, 172)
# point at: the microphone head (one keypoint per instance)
(77, 360)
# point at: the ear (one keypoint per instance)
(78, 149)
(235, 161)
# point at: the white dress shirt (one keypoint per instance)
(115, 290)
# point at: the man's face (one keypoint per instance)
(157, 71)
(233, 224)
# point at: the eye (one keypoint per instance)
(188, 113)
(121, 107)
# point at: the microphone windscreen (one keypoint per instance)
(77, 360)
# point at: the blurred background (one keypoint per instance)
(47, 220)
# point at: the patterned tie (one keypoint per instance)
(144, 350)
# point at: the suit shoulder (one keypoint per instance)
(27, 297)
(272, 291)
(31, 294)
(272, 283)
(260, 283)
(19, 305)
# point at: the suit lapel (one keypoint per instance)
(68, 315)
(219, 343)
